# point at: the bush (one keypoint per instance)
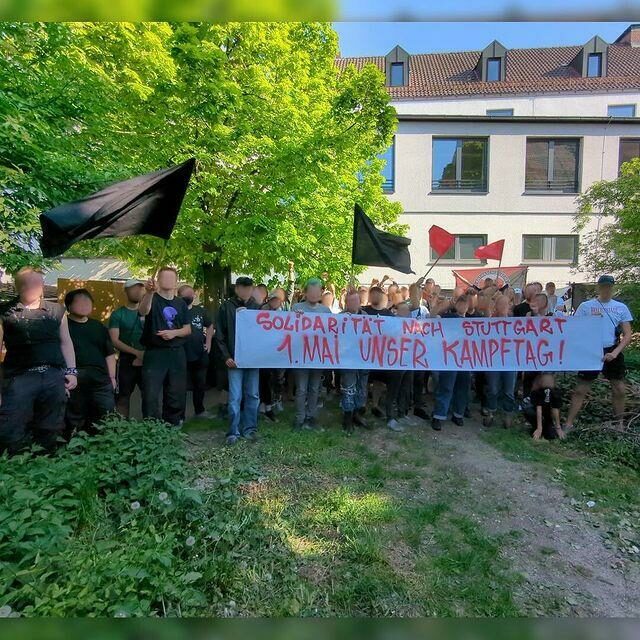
(110, 526)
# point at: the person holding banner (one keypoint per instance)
(353, 382)
(500, 386)
(244, 396)
(616, 335)
(453, 386)
(308, 380)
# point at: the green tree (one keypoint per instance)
(285, 143)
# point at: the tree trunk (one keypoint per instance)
(217, 282)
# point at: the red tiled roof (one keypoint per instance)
(541, 70)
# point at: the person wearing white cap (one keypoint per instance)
(125, 329)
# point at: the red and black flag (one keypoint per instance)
(144, 205)
(377, 248)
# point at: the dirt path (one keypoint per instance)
(558, 550)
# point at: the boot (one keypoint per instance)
(359, 420)
(347, 422)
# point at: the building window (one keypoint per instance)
(552, 165)
(463, 249)
(388, 170)
(499, 112)
(397, 74)
(494, 69)
(629, 149)
(559, 249)
(621, 110)
(459, 164)
(594, 65)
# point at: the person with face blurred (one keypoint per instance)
(353, 382)
(244, 384)
(39, 368)
(452, 392)
(500, 385)
(94, 396)
(308, 381)
(164, 369)
(197, 348)
(260, 293)
(125, 330)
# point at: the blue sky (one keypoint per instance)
(377, 38)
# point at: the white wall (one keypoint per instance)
(505, 211)
(580, 105)
(89, 269)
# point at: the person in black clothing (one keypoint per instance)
(94, 397)
(197, 348)
(164, 369)
(521, 310)
(544, 413)
(39, 367)
(244, 395)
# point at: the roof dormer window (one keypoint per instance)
(396, 67)
(594, 65)
(493, 69)
(397, 74)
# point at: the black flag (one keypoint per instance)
(147, 204)
(378, 248)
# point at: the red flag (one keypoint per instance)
(440, 240)
(491, 251)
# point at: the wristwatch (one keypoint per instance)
(71, 371)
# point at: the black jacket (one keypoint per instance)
(226, 324)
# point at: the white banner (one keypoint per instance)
(281, 340)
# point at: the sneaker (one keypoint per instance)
(436, 424)
(405, 421)
(231, 440)
(394, 425)
(484, 412)
(309, 424)
(269, 415)
(261, 408)
(320, 404)
(297, 426)
(278, 406)
(251, 435)
(347, 422)
(458, 421)
(377, 412)
(421, 413)
(204, 415)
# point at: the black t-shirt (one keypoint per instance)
(31, 336)
(92, 344)
(370, 311)
(521, 310)
(164, 314)
(195, 343)
(548, 399)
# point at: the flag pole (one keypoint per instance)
(498, 272)
(163, 253)
(435, 262)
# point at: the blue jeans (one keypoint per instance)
(452, 393)
(353, 389)
(243, 388)
(501, 387)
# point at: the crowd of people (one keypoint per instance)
(63, 370)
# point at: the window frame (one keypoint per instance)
(396, 65)
(456, 247)
(492, 113)
(459, 143)
(528, 190)
(595, 55)
(620, 141)
(631, 104)
(497, 59)
(549, 249)
(386, 187)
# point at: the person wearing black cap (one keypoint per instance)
(615, 319)
(39, 367)
(164, 368)
(125, 329)
(244, 396)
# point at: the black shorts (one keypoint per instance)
(614, 370)
(128, 376)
